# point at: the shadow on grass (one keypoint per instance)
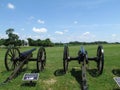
(20, 71)
(59, 72)
(12, 75)
(34, 71)
(116, 72)
(116, 89)
(29, 84)
(77, 75)
(4, 72)
(16, 73)
(93, 72)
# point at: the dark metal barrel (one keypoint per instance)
(81, 54)
(82, 50)
(26, 53)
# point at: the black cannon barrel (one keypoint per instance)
(82, 50)
(26, 53)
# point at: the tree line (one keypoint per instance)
(39, 42)
(85, 43)
(13, 39)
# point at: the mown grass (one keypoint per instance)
(52, 78)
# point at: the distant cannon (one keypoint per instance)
(83, 58)
(14, 60)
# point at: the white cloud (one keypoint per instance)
(66, 30)
(39, 30)
(3, 36)
(86, 33)
(75, 22)
(31, 17)
(84, 37)
(87, 36)
(114, 35)
(22, 29)
(59, 32)
(10, 6)
(114, 38)
(62, 32)
(16, 33)
(41, 21)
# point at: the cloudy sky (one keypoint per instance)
(62, 20)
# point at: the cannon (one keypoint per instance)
(83, 58)
(14, 60)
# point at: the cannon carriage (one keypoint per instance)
(15, 60)
(83, 59)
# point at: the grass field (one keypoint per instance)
(52, 78)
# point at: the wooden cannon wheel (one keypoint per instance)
(65, 58)
(100, 59)
(10, 58)
(41, 59)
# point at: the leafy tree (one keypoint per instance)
(30, 41)
(2, 41)
(23, 42)
(39, 42)
(13, 39)
(48, 42)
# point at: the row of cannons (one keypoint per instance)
(15, 60)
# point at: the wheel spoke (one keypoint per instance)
(9, 54)
(11, 51)
(12, 65)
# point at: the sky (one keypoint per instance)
(62, 20)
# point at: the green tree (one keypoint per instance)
(23, 42)
(30, 41)
(2, 41)
(12, 38)
(39, 42)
